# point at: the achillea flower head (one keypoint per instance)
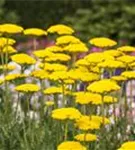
(98, 57)
(76, 48)
(132, 65)
(111, 64)
(118, 78)
(11, 77)
(71, 145)
(113, 52)
(60, 29)
(54, 48)
(100, 119)
(130, 145)
(6, 41)
(126, 48)
(42, 53)
(88, 77)
(35, 32)
(77, 74)
(128, 74)
(85, 98)
(54, 67)
(58, 57)
(88, 137)
(103, 86)
(67, 39)
(40, 74)
(7, 67)
(54, 90)
(23, 59)
(127, 59)
(82, 62)
(8, 49)
(10, 28)
(27, 88)
(66, 113)
(59, 75)
(87, 123)
(94, 69)
(102, 42)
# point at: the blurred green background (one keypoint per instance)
(90, 18)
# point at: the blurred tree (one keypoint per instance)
(6, 15)
(105, 18)
(34, 13)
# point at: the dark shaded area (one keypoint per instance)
(111, 18)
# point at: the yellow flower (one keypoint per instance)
(113, 52)
(98, 57)
(40, 74)
(9, 49)
(67, 39)
(54, 67)
(23, 59)
(76, 48)
(58, 57)
(54, 90)
(103, 86)
(49, 103)
(27, 87)
(130, 145)
(82, 62)
(102, 42)
(84, 98)
(6, 41)
(10, 28)
(71, 145)
(119, 78)
(60, 29)
(82, 69)
(94, 69)
(59, 75)
(11, 77)
(87, 123)
(54, 48)
(89, 77)
(126, 48)
(100, 119)
(74, 74)
(7, 67)
(86, 137)
(42, 53)
(132, 65)
(83, 76)
(128, 74)
(35, 32)
(126, 59)
(66, 113)
(112, 64)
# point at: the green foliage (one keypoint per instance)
(111, 18)
(6, 15)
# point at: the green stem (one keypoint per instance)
(131, 98)
(102, 110)
(18, 101)
(63, 95)
(66, 131)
